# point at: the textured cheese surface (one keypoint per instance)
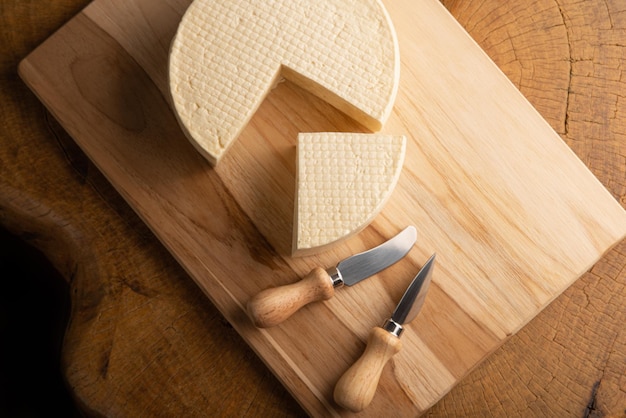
(343, 182)
(227, 55)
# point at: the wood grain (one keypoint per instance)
(488, 400)
(272, 306)
(143, 339)
(460, 174)
(568, 361)
(356, 388)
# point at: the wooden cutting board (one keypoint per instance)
(511, 212)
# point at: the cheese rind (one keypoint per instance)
(343, 181)
(227, 55)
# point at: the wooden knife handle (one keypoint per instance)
(272, 306)
(356, 388)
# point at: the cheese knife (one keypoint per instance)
(272, 306)
(356, 388)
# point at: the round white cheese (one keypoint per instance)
(343, 181)
(227, 55)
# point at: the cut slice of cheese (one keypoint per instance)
(227, 55)
(343, 181)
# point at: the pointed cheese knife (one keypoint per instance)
(356, 388)
(272, 306)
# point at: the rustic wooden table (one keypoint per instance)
(566, 57)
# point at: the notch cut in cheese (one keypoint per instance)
(228, 54)
(343, 181)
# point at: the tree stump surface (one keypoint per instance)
(185, 360)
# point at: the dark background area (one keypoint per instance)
(34, 309)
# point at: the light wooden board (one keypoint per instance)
(512, 214)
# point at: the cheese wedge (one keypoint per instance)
(343, 181)
(227, 55)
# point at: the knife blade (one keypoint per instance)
(356, 388)
(272, 306)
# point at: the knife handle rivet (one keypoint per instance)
(335, 277)
(393, 327)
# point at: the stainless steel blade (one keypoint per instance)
(415, 295)
(363, 265)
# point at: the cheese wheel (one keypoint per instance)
(227, 55)
(343, 181)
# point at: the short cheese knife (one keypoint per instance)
(356, 388)
(272, 306)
